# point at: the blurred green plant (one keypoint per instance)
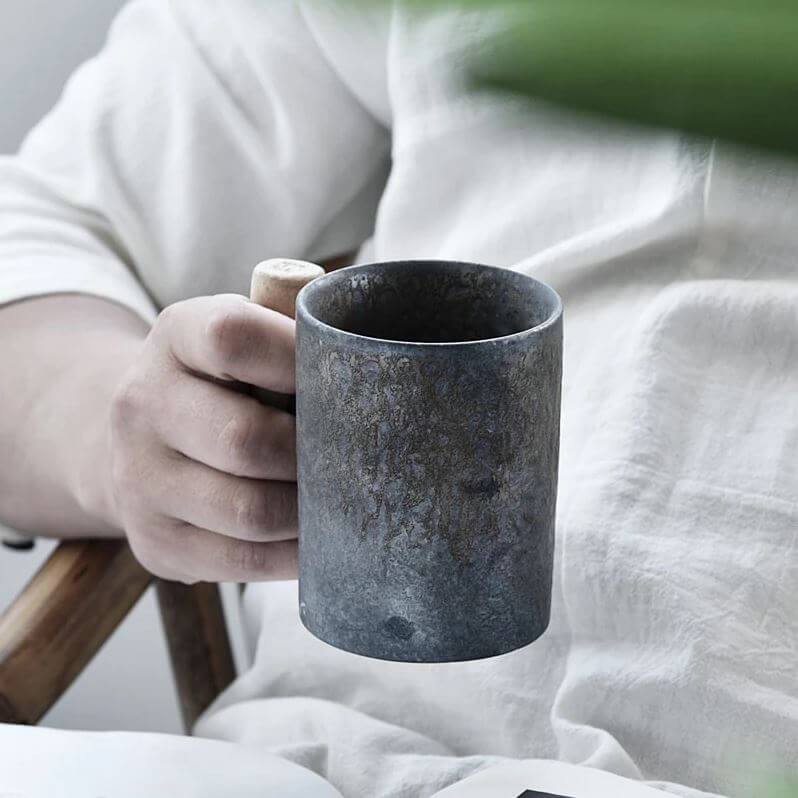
(717, 68)
(774, 787)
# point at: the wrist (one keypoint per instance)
(90, 479)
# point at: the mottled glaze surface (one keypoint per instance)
(428, 400)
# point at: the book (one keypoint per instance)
(542, 778)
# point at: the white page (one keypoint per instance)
(511, 779)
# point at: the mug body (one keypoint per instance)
(428, 405)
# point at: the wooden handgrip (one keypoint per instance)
(276, 284)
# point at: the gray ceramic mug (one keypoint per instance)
(428, 407)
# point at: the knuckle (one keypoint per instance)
(127, 404)
(165, 322)
(241, 440)
(126, 469)
(164, 319)
(121, 472)
(253, 511)
(163, 327)
(226, 332)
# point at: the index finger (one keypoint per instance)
(230, 338)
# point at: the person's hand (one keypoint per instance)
(202, 474)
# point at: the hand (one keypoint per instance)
(202, 474)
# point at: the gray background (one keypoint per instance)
(128, 686)
(41, 42)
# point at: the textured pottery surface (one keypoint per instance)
(428, 402)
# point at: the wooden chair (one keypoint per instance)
(71, 607)
(86, 588)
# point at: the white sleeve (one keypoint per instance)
(205, 134)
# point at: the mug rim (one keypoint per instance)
(315, 285)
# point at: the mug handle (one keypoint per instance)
(275, 285)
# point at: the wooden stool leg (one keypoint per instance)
(199, 647)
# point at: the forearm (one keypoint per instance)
(61, 358)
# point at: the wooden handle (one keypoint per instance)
(277, 282)
(275, 285)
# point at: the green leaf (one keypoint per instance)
(717, 68)
(709, 69)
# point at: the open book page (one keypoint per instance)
(538, 778)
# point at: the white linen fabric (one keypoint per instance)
(210, 135)
(50, 763)
(132, 765)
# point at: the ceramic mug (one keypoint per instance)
(428, 408)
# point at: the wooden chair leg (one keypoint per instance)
(71, 607)
(60, 620)
(199, 646)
